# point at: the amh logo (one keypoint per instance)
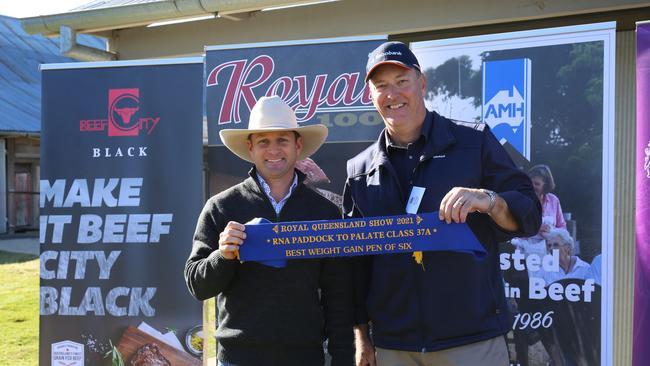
(507, 102)
(506, 107)
(123, 115)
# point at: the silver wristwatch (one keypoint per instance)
(493, 200)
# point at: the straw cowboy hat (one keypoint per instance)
(272, 114)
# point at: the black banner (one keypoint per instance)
(121, 155)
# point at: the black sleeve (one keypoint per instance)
(360, 265)
(513, 185)
(336, 298)
(207, 273)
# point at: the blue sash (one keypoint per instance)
(274, 243)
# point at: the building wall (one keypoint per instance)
(624, 196)
(368, 17)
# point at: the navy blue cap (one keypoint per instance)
(396, 53)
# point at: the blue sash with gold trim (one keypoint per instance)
(274, 243)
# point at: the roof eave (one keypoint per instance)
(95, 20)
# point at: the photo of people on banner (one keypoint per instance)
(544, 103)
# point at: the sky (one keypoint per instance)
(32, 8)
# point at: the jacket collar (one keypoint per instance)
(439, 139)
(255, 185)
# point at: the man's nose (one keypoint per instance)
(391, 92)
(274, 147)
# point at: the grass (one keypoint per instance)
(19, 292)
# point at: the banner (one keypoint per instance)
(547, 96)
(121, 157)
(322, 80)
(641, 353)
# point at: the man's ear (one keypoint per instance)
(299, 144)
(249, 144)
(370, 89)
(423, 82)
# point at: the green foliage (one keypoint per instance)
(114, 355)
(19, 309)
(15, 258)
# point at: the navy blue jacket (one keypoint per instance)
(457, 299)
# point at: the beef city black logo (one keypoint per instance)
(124, 116)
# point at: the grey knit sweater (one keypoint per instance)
(267, 315)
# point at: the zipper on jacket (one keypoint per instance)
(391, 170)
(403, 200)
(421, 310)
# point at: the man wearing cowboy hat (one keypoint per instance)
(268, 315)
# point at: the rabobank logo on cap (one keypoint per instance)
(506, 102)
(387, 53)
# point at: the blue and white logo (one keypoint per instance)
(506, 102)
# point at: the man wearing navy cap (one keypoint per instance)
(433, 308)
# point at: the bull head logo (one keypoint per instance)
(123, 105)
(126, 113)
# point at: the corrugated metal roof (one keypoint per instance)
(101, 4)
(20, 79)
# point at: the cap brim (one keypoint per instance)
(392, 62)
(313, 137)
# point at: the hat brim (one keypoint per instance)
(391, 62)
(313, 137)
